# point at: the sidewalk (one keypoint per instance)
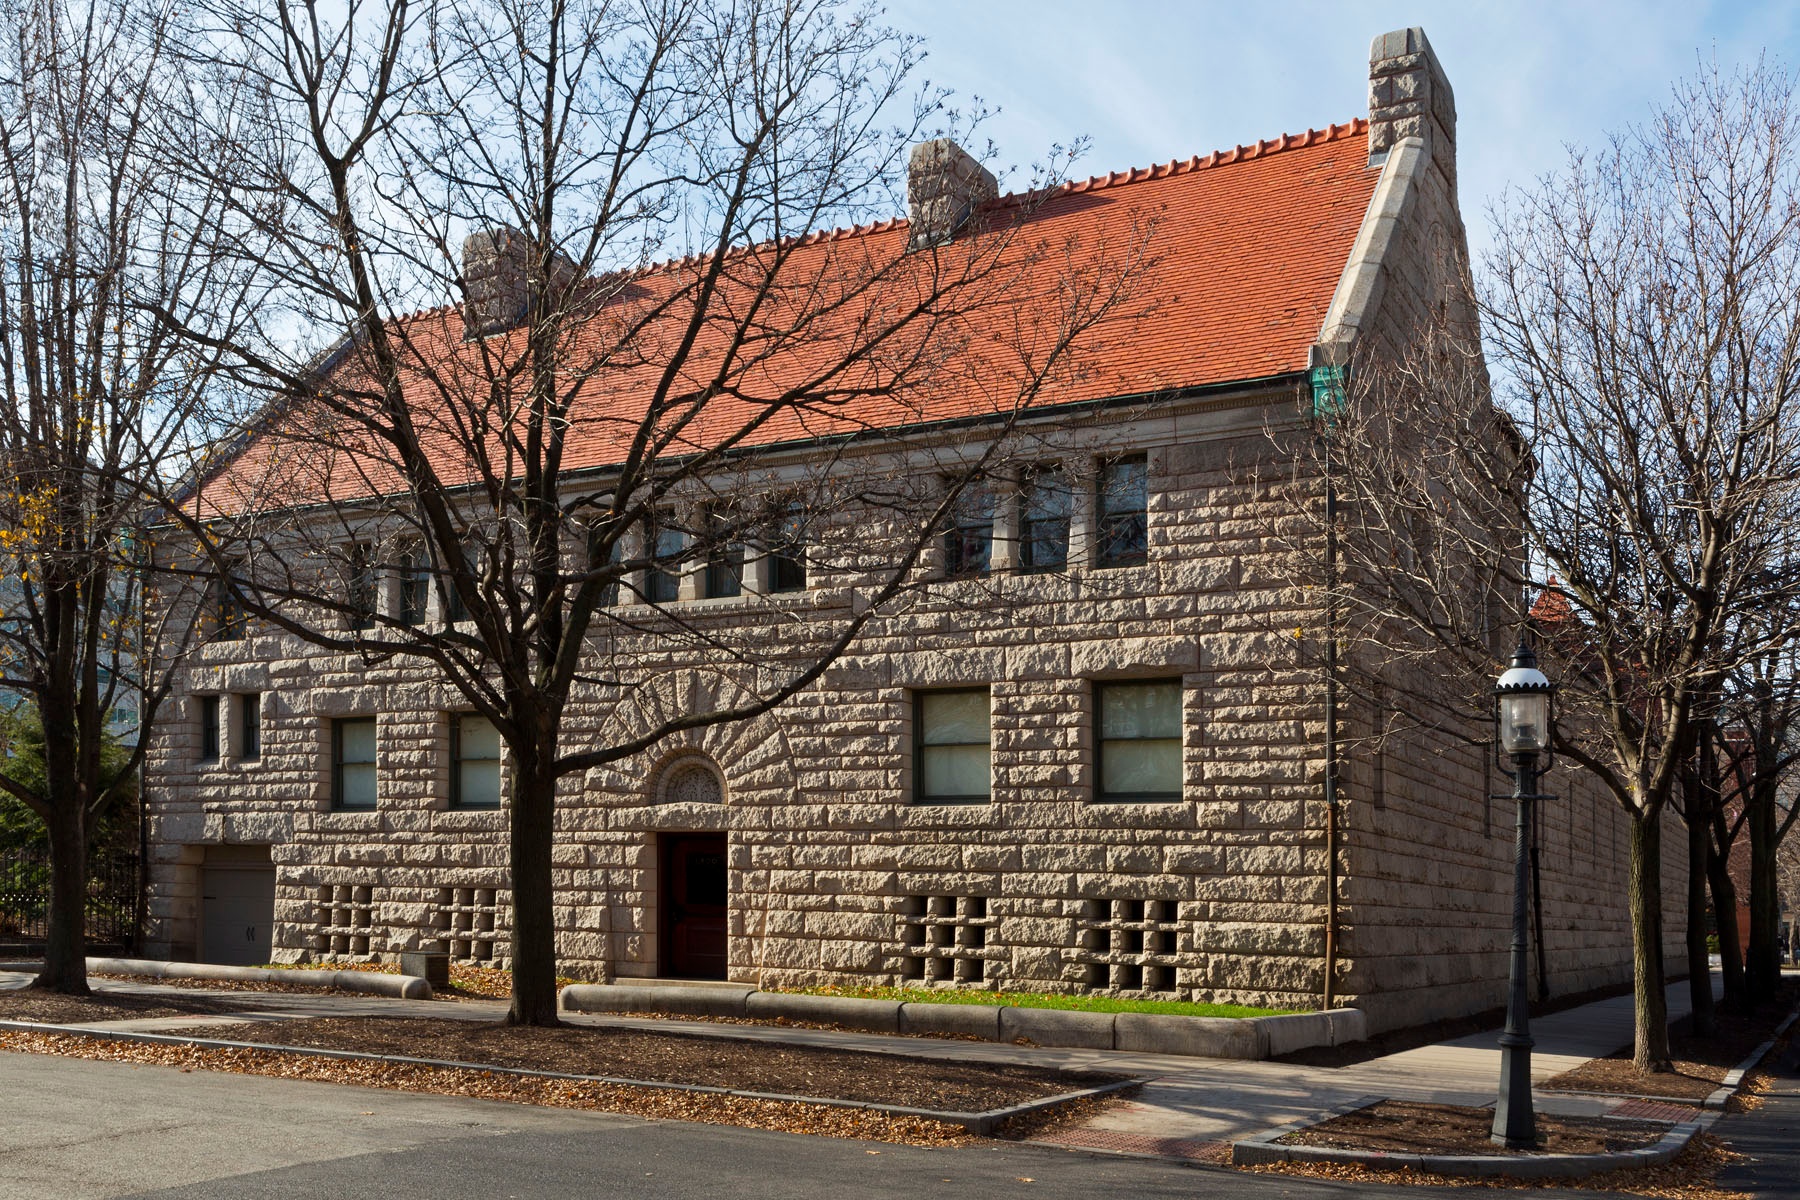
(1189, 1107)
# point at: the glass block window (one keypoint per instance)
(353, 763)
(209, 728)
(953, 751)
(664, 542)
(787, 553)
(475, 762)
(1044, 508)
(969, 543)
(1140, 740)
(1122, 506)
(250, 725)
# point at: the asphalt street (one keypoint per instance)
(1770, 1136)
(74, 1130)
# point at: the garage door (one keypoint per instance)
(237, 914)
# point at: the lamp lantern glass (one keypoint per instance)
(1522, 705)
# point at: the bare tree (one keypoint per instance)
(97, 232)
(1642, 309)
(659, 354)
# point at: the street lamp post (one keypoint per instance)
(1522, 717)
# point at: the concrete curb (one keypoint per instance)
(402, 987)
(1142, 1033)
(1266, 1148)
(1734, 1078)
(975, 1122)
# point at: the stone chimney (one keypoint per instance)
(497, 279)
(944, 186)
(1409, 96)
(496, 296)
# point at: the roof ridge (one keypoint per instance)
(1218, 158)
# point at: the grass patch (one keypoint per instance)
(1114, 1004)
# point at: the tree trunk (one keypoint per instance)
(533, 898)
(1650, 1050)
(1700, 996)
(65, 946)
(1725, 906)
(1762, 961)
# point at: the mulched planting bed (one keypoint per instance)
(1689, 1176)
(678, 1058)
(1409, 1127)
(1700, 1063)
(712, 1109)
(52, 1008)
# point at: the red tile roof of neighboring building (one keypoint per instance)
(1244, 251)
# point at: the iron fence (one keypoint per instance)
(112, 894)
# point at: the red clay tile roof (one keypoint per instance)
(1246, 250)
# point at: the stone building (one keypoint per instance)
(1106, 776)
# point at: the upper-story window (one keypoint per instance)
(455, 608)
(1123, 503)
(1139, 740)
(601, 556)
(353, 762)
(953, 746)
(249, 730)
(359, 581)
(475, 762)
(1045, 504)
(209, 729)
(664, 542)
(969, 542)
(227, 613)
(414, 570)
(787, 552)
(724, 559)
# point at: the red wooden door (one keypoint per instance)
(693, 906)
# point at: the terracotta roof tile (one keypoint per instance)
(1247, 248)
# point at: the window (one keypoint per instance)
(415, 587)
(228, 614)
(1123, 504)
(474, 762)
(606, 557)
(787, 553)
(1140, 740)
(1044, 508)
(952, 746)
(353, 763)
(969, 544)
(209, 729)
(724, 559)
(359, 586)
(454, 608)
(664, 543)
(249, 739)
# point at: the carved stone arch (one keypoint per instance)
(753, 756)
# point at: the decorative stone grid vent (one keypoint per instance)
(945, 939)
(466, 921)
(343, 919)
(1128, 945)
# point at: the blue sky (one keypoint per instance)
(1148, 82)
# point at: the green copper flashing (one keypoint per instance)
(1329, 397)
